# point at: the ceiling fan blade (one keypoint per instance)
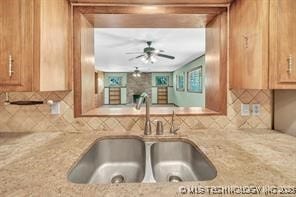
(165, 56)
(158, 51)
(135, 57)
(133, 52)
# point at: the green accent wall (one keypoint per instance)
(180, 98)
(185, 98)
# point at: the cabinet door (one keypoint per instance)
(16, 34)
(249, 44)
(53, 18)
(283, 44)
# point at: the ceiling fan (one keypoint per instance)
(149, 54)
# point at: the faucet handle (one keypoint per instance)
(174, 129)
(159, 127)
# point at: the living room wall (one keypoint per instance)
(192, 99)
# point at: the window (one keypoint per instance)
(115, 81)
(194, 80)
(180, 82)
(162, 80)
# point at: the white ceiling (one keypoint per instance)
(111, 45)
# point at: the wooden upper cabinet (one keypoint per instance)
(52, 45)
(35, 45)
(16, 49)
(263, 44)
(249, 44)
(282, 44)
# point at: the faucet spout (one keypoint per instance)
(144, 97)
(141, 100)
(173, 129)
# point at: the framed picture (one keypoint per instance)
(115, 81)
(180, 82)
(162, 80)
(194, 80)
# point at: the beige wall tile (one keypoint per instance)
(38, 118)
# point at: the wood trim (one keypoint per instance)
(224, 64)
(70, 41)
(87, 65)
(36, 56)
(140, 9)
(77, 63)
(155, 111)
(96, 82)
(273, 48)
(216, 63)
(99, 89)
(212, 108)
(152, 2)
(144, 20)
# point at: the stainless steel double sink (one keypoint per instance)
(130, 160)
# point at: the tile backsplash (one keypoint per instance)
(38, 118)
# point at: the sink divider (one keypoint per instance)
(148, 178)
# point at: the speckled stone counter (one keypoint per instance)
(37, 164)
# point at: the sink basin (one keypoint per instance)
(180, 161)
(128, 160)
(111, 161)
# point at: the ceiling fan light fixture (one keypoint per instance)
(150, 54)
(153, 59)
(145, 60)
(137, 73)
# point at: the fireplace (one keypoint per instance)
(136, 86)
(136, 97)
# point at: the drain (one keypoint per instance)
(117, 179)
(175, 179)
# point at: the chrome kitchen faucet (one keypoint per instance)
(145, 97)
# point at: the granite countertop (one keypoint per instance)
(37, 164)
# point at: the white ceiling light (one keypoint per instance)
(152, 59)
(137, 73)
(145, 59)
(149, 59)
